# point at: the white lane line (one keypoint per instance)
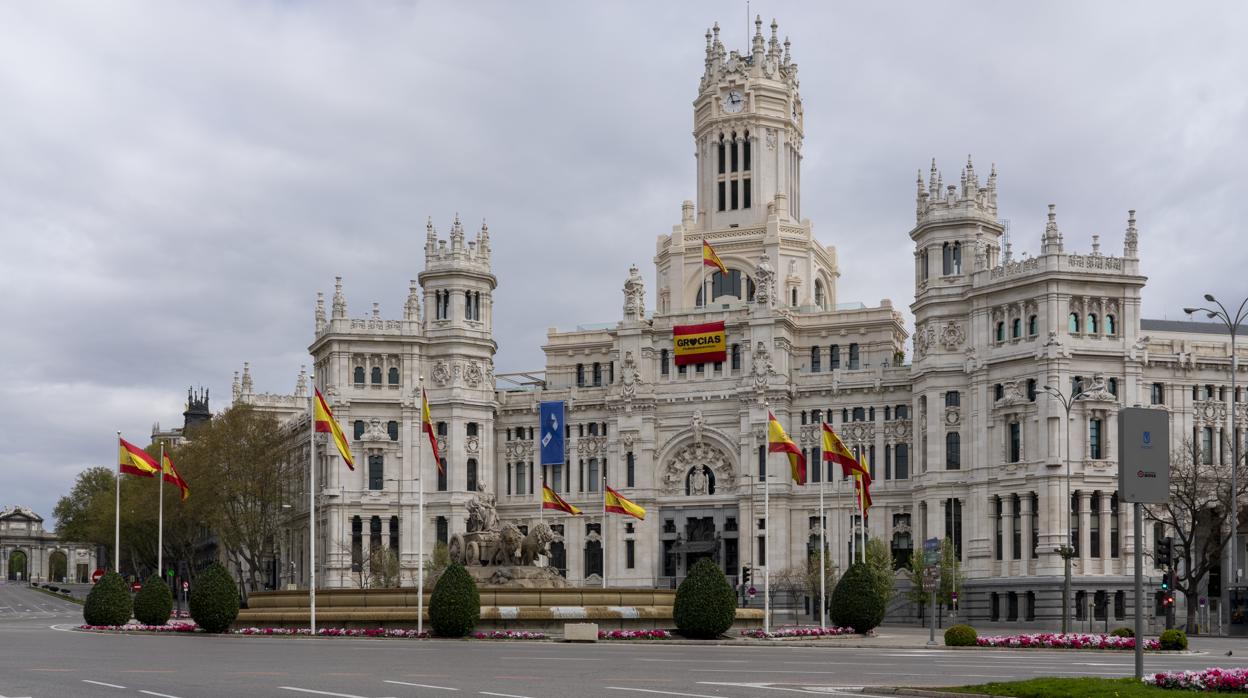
(319, 693)
(101, 683)
(502, 695)
(662, 693)
(158, 695)
(423, 685)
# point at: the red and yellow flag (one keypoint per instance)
(617, 503)
(552, 500)
(173, 477)
(426, 425)
(710, 259)
(862, 489)
(325, 422)
(135, 461)
(779, 442)
(835, 450)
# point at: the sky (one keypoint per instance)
(178, 180)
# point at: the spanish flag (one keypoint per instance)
(779, 442)
(617, 503)
(710, 259)
(135, 461)
(835, 450)
(426, 425)
(552, 500)
(325, 422)
(862, 489)
(173, 477)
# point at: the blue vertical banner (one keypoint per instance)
(550, 415)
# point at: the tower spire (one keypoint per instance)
(1051, 243)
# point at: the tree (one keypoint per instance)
(918, 593)
(108, 602)
(880, 565)
(812, 577)
(455, 604)
(951, 578)
(214, 599)
(154, 602)
(383, 568)
(1196, 515)
(855, 601)
(705, 605)
(437, 563)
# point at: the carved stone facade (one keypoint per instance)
(29, 553)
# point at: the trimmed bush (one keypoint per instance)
(108, 603)
(214, 599)
(455, 605)
(961, 635)
(855, 603)
(1124, 631)
(1173, 639)
(705, 604)
(154, 602)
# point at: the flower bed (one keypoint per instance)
(138, 627)
(1211, 679)
(1071, 641)
(336, 632)
(759, 634)
(634, 635)
(508, 635)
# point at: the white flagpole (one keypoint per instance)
(823, 567)
(160, 526)
(603, 531)
(767, 526)
(117, 516)
(312, 508)
(420, 515)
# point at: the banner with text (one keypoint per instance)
(699, 344)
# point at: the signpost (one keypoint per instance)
(931, 578)
(752, 592)
(95, 576)
(1143, 478)
(135, 587)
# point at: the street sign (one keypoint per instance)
(186, 586)
(95, 576)
(1144, 455)
(135, 587)
(1204, 600)
(752, 592)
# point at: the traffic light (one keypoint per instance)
(1165, 551)
(1165, 582)
(745, 574)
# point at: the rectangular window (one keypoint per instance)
(733, 156)
(719, 197)
(520, 477)
(745, 154)
(834, 356)
(682, 371)
(1016, 442)
(719, 149)
(629, 470)
(509, 478)
(1113, 525)
(735, 194)
(903, 461)
(1094, 439)
(762, 462)
(1094, 527)
(663, 365)
(745, 193)
(853, 356)
(953, 399)
(1000, 551)
(442, 476)
(888, 462)
(630, 554)
(1016, 528)
(953, 451)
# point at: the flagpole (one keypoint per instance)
(420, 515)
(117, 516)
(160, 526)
(823, 545)
(767, 530)
(603, 532)
(312, 509)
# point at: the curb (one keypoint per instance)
(925, 693)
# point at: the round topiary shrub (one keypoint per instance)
(855, 602)
(705, 604)
(154, 602)
(455, 605)
(214, 599)
(1124, 631)
(1173, 639)
(108, 603)
(961, 635)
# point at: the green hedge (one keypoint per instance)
(1173, 639)
(154, 602)
(961, 635)
(455, 605)
(855, 601)
(214, 599)
(108, 603)
(705, 604)
(1124, 631)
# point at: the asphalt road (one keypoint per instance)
(43, 658)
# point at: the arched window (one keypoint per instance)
(814, 359)
(946, 259)
(1000, 336)
(394, 376)
(376, 472)
(1033, 326)
(392, 428)
(472, 475)
(793, 298)
(1073, 324)
(726, 285)
(376, 375)
(1016, 328)
(359, 375)
(819, 293)
(1109, 325)
(953, 451)
(1092, 325)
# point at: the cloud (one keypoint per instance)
(178, 181)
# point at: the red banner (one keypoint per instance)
(699, 344)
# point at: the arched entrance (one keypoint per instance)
(58, 566)
(18, 566)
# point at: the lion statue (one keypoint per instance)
(537, 543)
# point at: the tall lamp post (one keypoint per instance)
(1067, 550)
(1232, 325)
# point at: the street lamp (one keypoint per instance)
(1232, 326)
(1067, 550)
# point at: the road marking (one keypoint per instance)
(319, 693)
(101, 683)
(502, 695)
(662, 693)
(158, 695)
(423, 685)
(558, 659)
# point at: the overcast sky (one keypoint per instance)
(178, 180)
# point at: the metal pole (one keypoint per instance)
(1068, 548)
(1234, 469)
(823, 567)
(1139, 592)
(160, 525)
(117, 516)
(603, 528)
(312, 509)
(420, 518)
(769, 552)
(931, 628)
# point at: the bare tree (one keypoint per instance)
(1196, 516)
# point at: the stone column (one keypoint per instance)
(1107, 560)
(1007, 534)
(1085, 526)
(1025, 504)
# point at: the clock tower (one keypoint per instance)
(747, 126)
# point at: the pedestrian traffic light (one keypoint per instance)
(1165, 582)
(745, 574)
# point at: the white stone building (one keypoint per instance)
(29, 553)
(962, 441)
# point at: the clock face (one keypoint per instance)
(734, 102)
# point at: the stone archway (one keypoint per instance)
(698, 468)
(58, 566)
(19, 566)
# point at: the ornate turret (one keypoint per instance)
(340, 301)
(301, 383)
(1131, 241)
(411, 309)
(1051, 242)
(971, 199)
(320, 311)
(197, 411)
